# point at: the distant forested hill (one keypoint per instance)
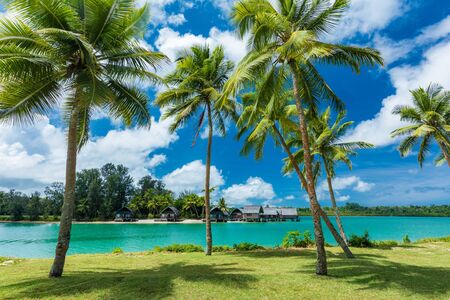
(354, 209)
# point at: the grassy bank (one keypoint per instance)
(418, 271)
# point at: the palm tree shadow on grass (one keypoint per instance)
(132, 284)
(372, 272)
(308, 253)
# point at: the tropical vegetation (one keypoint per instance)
(99, 193)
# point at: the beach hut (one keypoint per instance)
(236, 215)
(270, 214)
(289, 214)
(124, 215)
(252, 213)
(217, 215)
(170, 214)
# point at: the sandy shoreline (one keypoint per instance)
(145, 221)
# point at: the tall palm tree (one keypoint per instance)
(288, 33)
(268, 111)
(196, 87)
(429, 119)
(78, 56)
(326, 143)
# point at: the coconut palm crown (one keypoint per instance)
(75, 56)
(429, 119)
(327, 140)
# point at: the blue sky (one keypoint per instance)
(414, 38)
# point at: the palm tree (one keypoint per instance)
(288, 33)
(222, 205)
(191, 203)
(430, 119)
(326, 143)
(268, 111)
(80, 56)
(197, 86)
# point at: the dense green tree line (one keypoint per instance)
(355, 209)
(99, 193)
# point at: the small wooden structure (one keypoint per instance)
(252, 213)
(289, 214)
(217, 215)
(170, 214)
(271, 214)
(236, 215)
(124, 215)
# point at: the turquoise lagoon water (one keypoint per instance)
(38, 240)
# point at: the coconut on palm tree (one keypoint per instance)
(289, 33)
(77, 56)
(195, 89)
(429, 119)
(269, 111)
(326, 142)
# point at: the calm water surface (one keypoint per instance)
(38, 240)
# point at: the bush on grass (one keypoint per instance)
(297, 239)
(247, 247)
(117, 250)
(384, 244)
(179, 248)
(362, 241)
(431, 240)
(222, 249)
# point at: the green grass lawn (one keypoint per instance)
(420, 271)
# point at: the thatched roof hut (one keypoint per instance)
(170, 214)
(124, 214)
(236, 214)
(217, 215)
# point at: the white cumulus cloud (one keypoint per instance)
(368, 16)
(37, 154)
(255, 188)
(191, 177)
(434, 67)
(394, 50)
(171, 42)
(340, 184)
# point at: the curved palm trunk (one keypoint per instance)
(69, 200)
(207, 184)
(321, 265)
(333, 202)
(337, 237)
(446, 155)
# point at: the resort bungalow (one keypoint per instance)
(252, 213)
(236, 215)
(170, 214)
(217, 215)
(124, 215)
(271, 214)
(289, 214)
